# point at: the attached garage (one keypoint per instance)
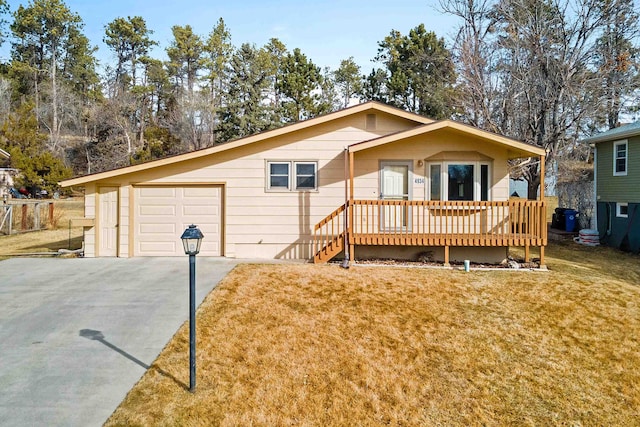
(161, 213)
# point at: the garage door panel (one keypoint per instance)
(162, 213)
(157, 210)
(200, 192)
(156, 192)
(155, 228)
(199, 210)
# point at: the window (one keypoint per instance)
(459, 181)
(620, 158)
(305, 176)
(622, 210)
(280, 176)
(435, 181)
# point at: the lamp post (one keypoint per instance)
(191, 240)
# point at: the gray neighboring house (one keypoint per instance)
(617, 186)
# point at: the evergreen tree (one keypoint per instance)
(217, 50)
(4, 9)
(245, 113)
(348, 80)
(277, 52)
(421, 72)
(130, 39)
(300, 78)
(42, 32)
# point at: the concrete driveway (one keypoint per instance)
(77, 334)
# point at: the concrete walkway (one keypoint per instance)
(77, 334)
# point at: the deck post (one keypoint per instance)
(526, 252)
(351, 207)
(543, 215)
(347, 255)
(542, 167)
(446, 257)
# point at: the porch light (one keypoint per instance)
(191, 240)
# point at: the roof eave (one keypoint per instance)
(606, 138)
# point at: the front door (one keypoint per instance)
(394, 185)
(108, 221)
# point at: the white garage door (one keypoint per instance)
(162, 214)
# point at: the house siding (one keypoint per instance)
(613, 229)
(420, 148)
(610, 188)
(270, 224)
(260, 223)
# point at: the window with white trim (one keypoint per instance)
(620, 158)
(463, 180)
(292, 176)
(622, 210)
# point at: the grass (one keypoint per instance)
(49, 240)
(319, 345)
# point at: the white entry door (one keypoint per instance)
(394, 185)
(108, 221)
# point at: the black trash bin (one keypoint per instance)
(558, 219)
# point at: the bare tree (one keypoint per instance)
(527, 70)
(478, 97)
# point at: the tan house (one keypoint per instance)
(372, 179)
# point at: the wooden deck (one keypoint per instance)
(432, 223)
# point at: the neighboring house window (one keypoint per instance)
(620, 158)
(459, 181)
(292, 176)
(622, 210)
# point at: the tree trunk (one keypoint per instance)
(54, 100)
(532, 188)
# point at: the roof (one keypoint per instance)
(4, 154)
(367, 106)
(517, 148)
(621, 132)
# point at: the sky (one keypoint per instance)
(326, 31)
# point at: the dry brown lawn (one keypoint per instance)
(321, 346)
(53, 238)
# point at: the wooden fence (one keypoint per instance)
(19, 216)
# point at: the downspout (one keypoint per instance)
(345, 262)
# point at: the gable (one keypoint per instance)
(454, 131)
(374, 118)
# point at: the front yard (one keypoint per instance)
(319, 345)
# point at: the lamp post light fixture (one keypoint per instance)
(191, 240)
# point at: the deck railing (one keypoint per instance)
(469, 223)
(328, 235)
(434, 223)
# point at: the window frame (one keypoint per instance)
(617, 144)
(292, 179)
(619, 213)
(444, 178)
